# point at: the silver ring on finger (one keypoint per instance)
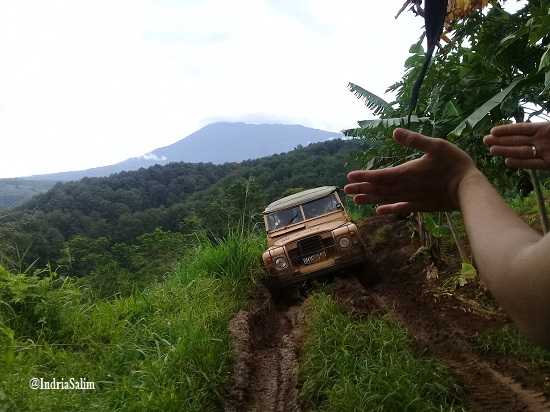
(534, 150)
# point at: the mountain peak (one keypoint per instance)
(219, 142)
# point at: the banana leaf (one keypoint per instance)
(479, 114)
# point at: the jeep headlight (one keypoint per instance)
(344, 242)
(281, 263)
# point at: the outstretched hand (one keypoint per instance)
(428, 183)
(524, 145)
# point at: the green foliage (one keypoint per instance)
(31, 306)
(354, 364)
(165, 348)
(435, 226)
(490, 72)
(510, 342)
(474, 119)
(178, 197)
(229, 257)
(109, 268)
(466, 275)
(372, 101)
(357, 212)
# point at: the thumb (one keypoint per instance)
(415, 140)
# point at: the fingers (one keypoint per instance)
(527, 129)
(362, 198)
(526, 163)
(369, 198)
(402, 208)
(416, 140)
(369, 193)
(512, 140)
(366, 187)
(384, 176)
(519, 152)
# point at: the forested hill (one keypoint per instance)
(176, 197)
(13, 192)
(240, 141)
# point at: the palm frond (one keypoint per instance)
(392, 122)
(367, 126)
(372, 101)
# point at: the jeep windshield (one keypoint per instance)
(321, 206)
(310, 210)
(282, 218)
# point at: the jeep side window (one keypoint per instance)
(282, 218)
(321, 206)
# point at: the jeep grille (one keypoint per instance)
(310, 245)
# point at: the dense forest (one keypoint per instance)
(99, 224)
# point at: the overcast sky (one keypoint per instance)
(90, 83)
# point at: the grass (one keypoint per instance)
(353, 364)
(162, 348)
(509, 341)
(357, 212)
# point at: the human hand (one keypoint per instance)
(428, 183)
(516, 141)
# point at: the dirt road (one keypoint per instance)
(267, 337)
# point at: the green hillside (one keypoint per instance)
(111, 216)
(14, 192)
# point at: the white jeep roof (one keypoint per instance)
(299, 198)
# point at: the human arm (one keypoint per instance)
(513, 259)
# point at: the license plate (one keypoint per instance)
(308, 260)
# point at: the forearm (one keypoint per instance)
(512, 258)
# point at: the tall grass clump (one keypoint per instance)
(509, 341)
(235, 257)
(351, 364)
(163, 348)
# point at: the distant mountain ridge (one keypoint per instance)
(215, 143)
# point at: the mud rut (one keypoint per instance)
(267, 337)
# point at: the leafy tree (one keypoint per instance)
(493, 69)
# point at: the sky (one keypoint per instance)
(91, 83)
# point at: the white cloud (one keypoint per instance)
(89, 83)
(152, 156)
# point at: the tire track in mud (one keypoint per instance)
(485, 388)
(441, 328)
(266, 342)
(267, 337)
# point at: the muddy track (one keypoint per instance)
(267, 337)
(442, 326)
(266, 342)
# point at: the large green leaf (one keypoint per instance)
(372, 101)
(544, 66)
(479, 114)
(545, 60)
(467, 274)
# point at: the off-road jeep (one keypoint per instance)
(309, 234)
